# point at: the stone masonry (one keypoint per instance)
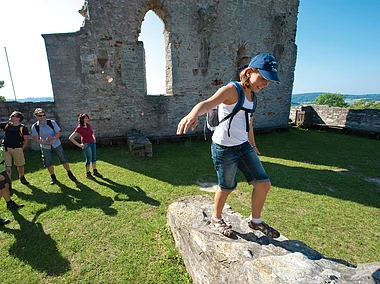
(363, 120)
(205, 41)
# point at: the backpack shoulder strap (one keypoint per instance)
(237, 107)
(6, 126)
(239, 103)
(37, 127)
(21, 130)
(48, 121)
(241, 97)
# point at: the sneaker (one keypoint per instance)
(4, 221)
(97, 174)
(71, 176)
(23, 180)
(265, 229)
(13, 205)
(53, 179)
(89, 175)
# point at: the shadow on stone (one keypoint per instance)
(251, 257)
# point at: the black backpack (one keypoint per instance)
(48, 122)
(212, 117)
(21, 133)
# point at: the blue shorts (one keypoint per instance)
(47, 155)
(243, 157)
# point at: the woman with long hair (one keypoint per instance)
(88, 143)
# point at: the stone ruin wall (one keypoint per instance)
(204, 41)
(361, 120)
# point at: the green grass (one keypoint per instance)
(114, 230)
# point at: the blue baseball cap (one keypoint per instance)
(267, 66)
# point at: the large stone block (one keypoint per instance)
(251, 257)
(139, 144)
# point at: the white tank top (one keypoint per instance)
(238, 133)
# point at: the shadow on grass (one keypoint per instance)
(341, 185)
(184, 163)
(86, 197)
(72, 199)
(134, 193)
(36, 248)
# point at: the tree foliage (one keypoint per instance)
(330, 99)
(2, 98)
(362, 104)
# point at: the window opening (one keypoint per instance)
(152, 36)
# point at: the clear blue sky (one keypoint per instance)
(338, 45)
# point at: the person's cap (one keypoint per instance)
(267, 66)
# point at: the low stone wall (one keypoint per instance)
(6, 108)
(365, 120)
(27, 109)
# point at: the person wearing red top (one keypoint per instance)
(88, 143)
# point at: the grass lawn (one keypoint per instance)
(326, 193)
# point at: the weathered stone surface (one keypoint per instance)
(205, 41)
(139, 144)
(251, 257)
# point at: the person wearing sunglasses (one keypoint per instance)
(16, 137)
(46, 132)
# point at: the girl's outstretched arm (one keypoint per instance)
(227, 95)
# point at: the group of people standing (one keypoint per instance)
(47, 133)
(233, 143)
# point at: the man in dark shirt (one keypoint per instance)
(15, 141)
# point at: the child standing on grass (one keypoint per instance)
(88, 143)
(233, 145)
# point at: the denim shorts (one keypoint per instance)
(47, 155)
(243, 157)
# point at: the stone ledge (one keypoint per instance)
(251, 257)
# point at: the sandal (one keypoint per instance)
(223, 228)
(265, 229)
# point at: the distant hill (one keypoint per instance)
(305, 98)
(34, 99)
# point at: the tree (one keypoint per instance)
(2, 98)
(330, 99)
(362, 104)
